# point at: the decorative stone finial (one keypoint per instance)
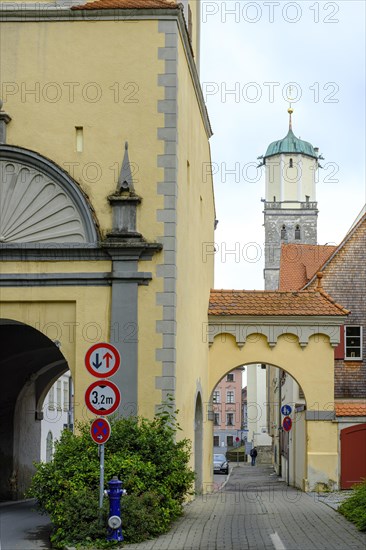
(124, 204)
(125, 182)
(319, 277)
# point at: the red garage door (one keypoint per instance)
(353, 455)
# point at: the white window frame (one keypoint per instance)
(229, 401)
(219, 418)
(227, 419)
(358, 357)
(218, 400)
(230, 374)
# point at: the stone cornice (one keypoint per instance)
(41, 252)
(72, 279)
(272, 328)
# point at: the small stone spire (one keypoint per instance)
(4, 120)
(124, 203)
(125, 182)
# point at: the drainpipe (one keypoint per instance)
(280, 424)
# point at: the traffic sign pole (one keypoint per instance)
(101, 475)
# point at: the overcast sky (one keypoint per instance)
(254, 52)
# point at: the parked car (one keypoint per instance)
(220, 464)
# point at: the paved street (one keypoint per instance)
(22, 528)
(256, 511)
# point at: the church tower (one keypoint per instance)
(290, 207)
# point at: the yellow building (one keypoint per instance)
(100, 242)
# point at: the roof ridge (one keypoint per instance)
(127, 4)
(332, 300)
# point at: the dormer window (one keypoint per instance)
(291, 164)
(297, 232)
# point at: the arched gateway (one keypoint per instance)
(297, 332)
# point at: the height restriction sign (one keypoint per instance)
(102, 397)
(102, 360)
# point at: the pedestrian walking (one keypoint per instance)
(253, 453)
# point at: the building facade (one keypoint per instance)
(226, 401)
(96, 235)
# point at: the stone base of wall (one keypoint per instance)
(265, 454)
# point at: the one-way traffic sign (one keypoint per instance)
(102, 360)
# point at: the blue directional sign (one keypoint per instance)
(286, 410)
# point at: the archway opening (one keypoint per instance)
(252, 405)
(30, 363)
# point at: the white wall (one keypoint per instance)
(257, 409)
(55, 414)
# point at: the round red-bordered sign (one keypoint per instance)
(287, 423)
(102, 397)
(102, 360)
(100, 430)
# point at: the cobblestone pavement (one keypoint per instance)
(257, 511)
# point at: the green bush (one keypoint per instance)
(151, 464)
(354, 508)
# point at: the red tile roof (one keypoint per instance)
(262, 302)
(350, 409)
(300, 262)
(126, 4)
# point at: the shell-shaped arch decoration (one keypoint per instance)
(39, 202)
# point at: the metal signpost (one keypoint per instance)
(100, 430)
(287, 425)
(102, 397)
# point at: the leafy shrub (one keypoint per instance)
(354, 508)
(143, 454)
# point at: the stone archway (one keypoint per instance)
(301, 345)
(30, 363)
(198, 443)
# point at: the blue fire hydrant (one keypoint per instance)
(115, 492)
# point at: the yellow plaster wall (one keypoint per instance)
(112, 93)
(195, 226)
(322, 455)
(313, 363)
(55, 267)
